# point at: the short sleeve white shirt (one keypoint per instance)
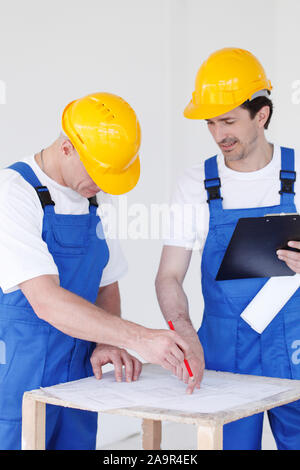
(189, 221)
(23, 253)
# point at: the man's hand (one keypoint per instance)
(105, 354)
(173, 302)
(196, 363)
(292, 258)
(163, 347)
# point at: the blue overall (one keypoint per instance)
(229, 343)
(39, 355)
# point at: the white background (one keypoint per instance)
(148, 52)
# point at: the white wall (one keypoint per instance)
(147, 51)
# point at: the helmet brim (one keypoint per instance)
(207, 112)
(114, 183)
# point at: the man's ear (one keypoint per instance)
(66, 147)
(263, 115)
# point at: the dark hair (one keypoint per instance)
(255, 106)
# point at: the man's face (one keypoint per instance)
(235, 133)
(74, 172)
(82, 182)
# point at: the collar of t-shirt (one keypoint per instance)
(249, 175)
(47, 181)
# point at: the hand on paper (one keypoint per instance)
(292, 258)
(106, 354)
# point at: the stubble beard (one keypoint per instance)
(244, 152)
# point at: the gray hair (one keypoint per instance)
(63, 136)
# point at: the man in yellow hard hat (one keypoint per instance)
(59, 293)
(250, 177)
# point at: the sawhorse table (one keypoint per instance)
(209, 425)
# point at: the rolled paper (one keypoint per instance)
(269, 301)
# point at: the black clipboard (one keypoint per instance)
(252, 249)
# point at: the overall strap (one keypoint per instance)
(93, 204)
(212, 184)
(43, 193)
(287, 176)
(28, 174)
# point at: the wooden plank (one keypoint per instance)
(232, 413)
(33, 423)
(161, 414)
(151, 434)
(210, 437)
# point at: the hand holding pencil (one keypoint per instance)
(192, 371)
(185, 361)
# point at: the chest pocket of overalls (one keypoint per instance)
(70, 240)
(224, 234)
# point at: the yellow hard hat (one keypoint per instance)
(106, 133)
(228, 78)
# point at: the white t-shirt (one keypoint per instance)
(23, 253)
(189, 219)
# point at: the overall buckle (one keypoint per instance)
(287, 184)
(213, 191)
(44, 196)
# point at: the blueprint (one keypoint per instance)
(159, 389)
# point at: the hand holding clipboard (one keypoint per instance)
(291, 258)
(252, 250)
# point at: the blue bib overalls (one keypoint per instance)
(228, 341)
(36, 353)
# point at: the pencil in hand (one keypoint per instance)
(185, 361)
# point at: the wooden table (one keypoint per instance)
(209, 425)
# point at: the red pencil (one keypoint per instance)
(185, 361)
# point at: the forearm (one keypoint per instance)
(173, 303)
(174, 306)
(81, 319)
(109, 299)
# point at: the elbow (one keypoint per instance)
(41, 310)
(157, 282)
(161, 281)
(41, 306)
(41, 293)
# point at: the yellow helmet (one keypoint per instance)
(228, 78)
(106, 133)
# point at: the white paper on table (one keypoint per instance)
(269, 301)
(162, 391)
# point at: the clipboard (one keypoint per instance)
(251, 252)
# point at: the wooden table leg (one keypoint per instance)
(151, 434)
(210, 438)
(33, 423)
